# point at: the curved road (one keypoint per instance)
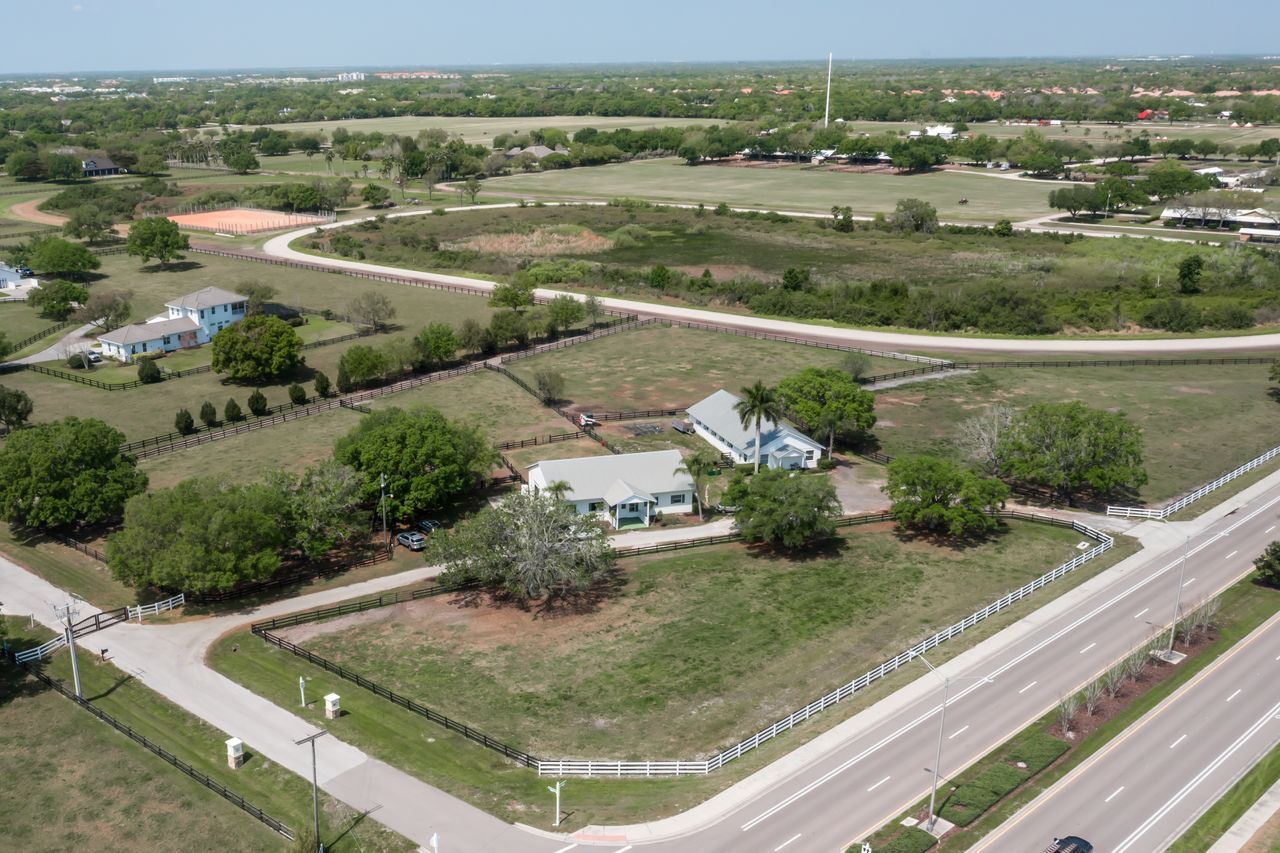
(278, 247)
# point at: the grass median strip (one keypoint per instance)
(1214, 823)
(1244, 607)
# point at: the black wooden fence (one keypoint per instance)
(43, 333)
(1079, 362)
(155, 749)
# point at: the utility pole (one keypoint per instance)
(555, 789)
(1177, 604)
(942, 724)
(68, 613)
(382, 488)
(315, 795)
(826, 113)
(302, 691)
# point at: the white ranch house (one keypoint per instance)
(191, 320)
(627, 489)
(781, 446)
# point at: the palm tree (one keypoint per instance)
(698, 466)
(758, 403)
(557, 489)
(328, 160)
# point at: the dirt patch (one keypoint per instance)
(1266, 839)
(29, 210)
(1187, 389)
(541, 242)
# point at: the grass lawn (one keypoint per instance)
(67, 569)
(682, 660)
(788, 188)
(153, 286)
(486, 780)
(75, 782)
(666, 367)
(18, 320)
(526, 456)
(292, 446)
(1198, 422)
(1220, 817)
(503, 409)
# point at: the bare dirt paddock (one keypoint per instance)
(245, 220)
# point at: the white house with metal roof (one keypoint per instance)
(628, 489)
(781, 446)
(191, 320)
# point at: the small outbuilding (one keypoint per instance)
(781, 446)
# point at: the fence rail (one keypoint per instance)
(41, 651)
(612, 329)
(43, 333)
(1164, 512)
(943, 367)
(87, 550)
(591, 767)
(380, 555)
(540, 439)
(157, 750)
(788, 339)
(157, 607)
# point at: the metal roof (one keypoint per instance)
(599, 477)
(206, 297)
(717, 413)
(139, 332)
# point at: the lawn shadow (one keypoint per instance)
(823, 549)
(561, 604)
(351, 825)
(176, 266)
(119, 682)
(943, 540)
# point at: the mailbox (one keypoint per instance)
(331, 708)
(235, 753)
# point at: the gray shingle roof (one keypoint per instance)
(139, 332)
(206, 297)
(595, 477)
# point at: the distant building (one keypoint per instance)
(351, 76)
(1256, 217)
(99, 167)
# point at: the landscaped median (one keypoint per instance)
(687, 655)
(979, 799)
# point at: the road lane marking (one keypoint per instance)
(788, 841)
(1140, 613)
(1232, 554)
(957, 732)
(1269, 529)
(1190, 582)
(1086, 648)
(1178, 741)
(1113, 794)
(1199, 777)
(1028, 687)
(566, 849)
(878, 784)
(624, 849)
(1039, 646)
(1234, 695)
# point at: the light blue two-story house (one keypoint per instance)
(190, 321)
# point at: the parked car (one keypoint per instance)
(412, 540)
(1070, 844)
(727, 510)
(682, 426)
(94, 358)
(24, 272)
(428, 525)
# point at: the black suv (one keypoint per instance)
(1070, 844)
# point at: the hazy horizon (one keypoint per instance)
(109, 36)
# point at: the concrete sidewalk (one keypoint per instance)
(1243, 830)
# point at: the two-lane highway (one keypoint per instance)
(865, 781)
(1147, 786)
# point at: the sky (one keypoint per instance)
(121, 35)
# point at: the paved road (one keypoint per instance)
(1156, 779)
(279, 247)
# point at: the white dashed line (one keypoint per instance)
(566, 849)
(1269, 529)
(1232, 554)
(1028, 687)
(1140, 613)
(1234, 695)
(1086, 648)
(1178, 741)
(1113, 794)
(788, 841)
(957, 732)
(1190, 582)
(878, 784)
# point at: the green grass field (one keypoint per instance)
(487, 781)
(18, 320)
(1198, 422)
(643, 676)
(665, 367)
(67, 569)
(73, 782)
(788, 188)
(505, 411)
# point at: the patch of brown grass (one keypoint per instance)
(540, 242)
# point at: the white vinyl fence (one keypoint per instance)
(158, 607)
(571, 767)
(1181, 503)
(39, 652)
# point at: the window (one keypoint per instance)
(677, 499)
(595, 506)
(633, 507)
(808, 454)
(166, 340)
(201, 313)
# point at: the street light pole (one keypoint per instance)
(1177, 603)
(555, 789)
(942, 725)
(315, 794)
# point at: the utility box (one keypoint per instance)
(331, 708)
(235, 753)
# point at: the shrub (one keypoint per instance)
(1231, 315)
(149, 371)
(966, 803)
(322, 384)
(258, 403)
(297, 394)
(911, 840)
(1000, 779)
(184, 423)
(826, 464)
(78, 360)
(1172, 315)
(1038, 751)
(231, 411)
(208, 414)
